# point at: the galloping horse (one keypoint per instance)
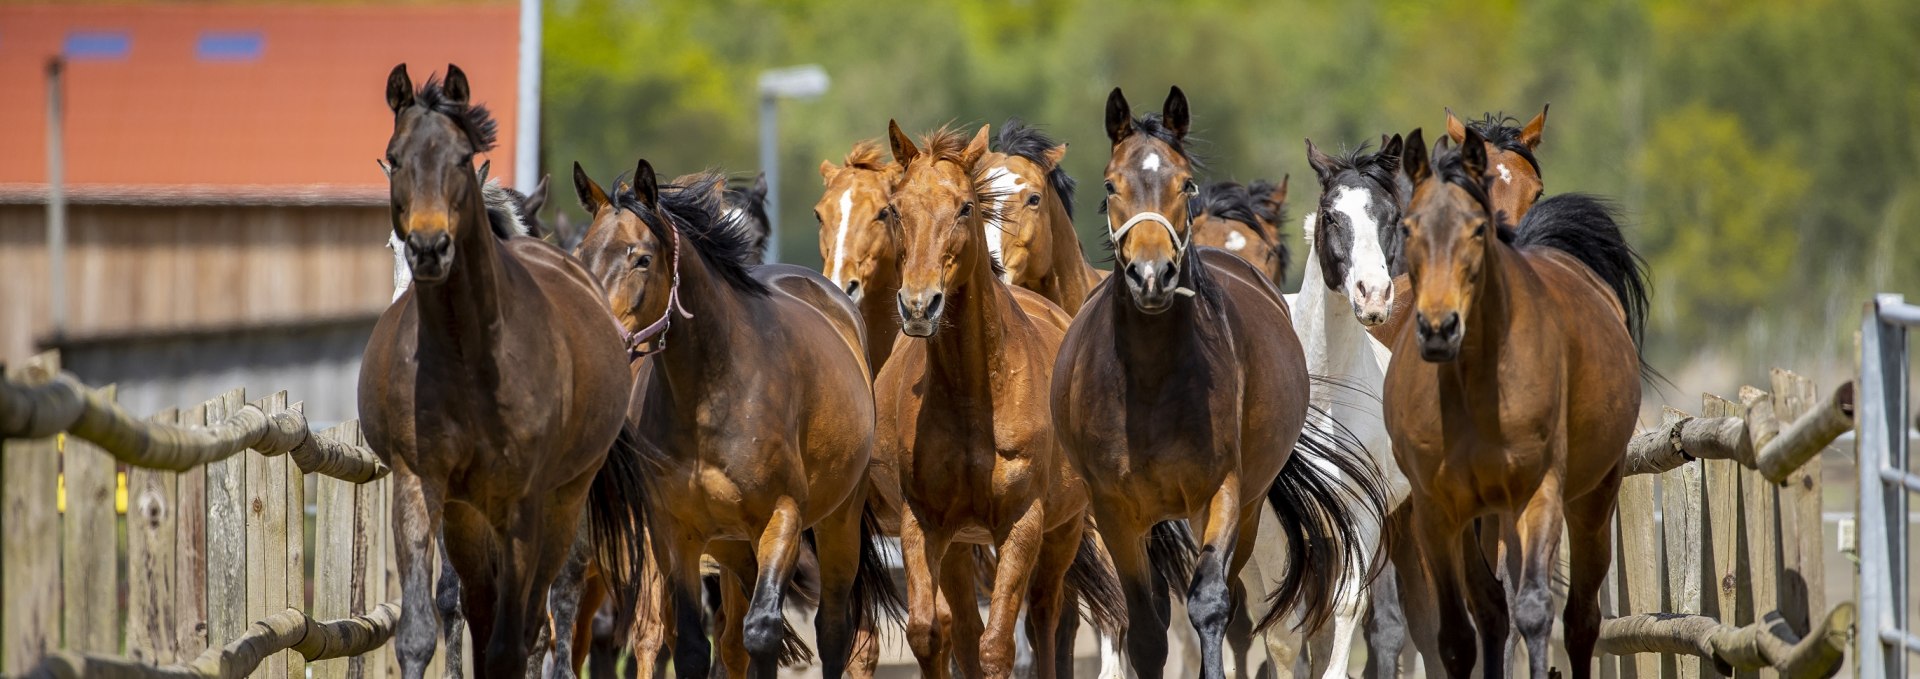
(963, 421)
(854, 243)
(1176, 399)
(1245, 219)
(755, 394)
(1512, 395)
(491, 386)
(1033, 234)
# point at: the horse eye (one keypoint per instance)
(966, 209)
(1190, 188)
(1480, 229)
(645, 261)
(392, 165)
(882, 216)
(1033, 200)
(1110, 189)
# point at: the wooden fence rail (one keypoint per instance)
(222, 501)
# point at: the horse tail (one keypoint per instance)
(874, 596)
(1171, 552)
(617, 517)
(1092, 580)
(1587, 228)
(1320, 513)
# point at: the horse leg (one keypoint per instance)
(593, 592)
(736, 559)
(1590, 551)
(541, 539)
(651, 632)
(568, 589)
(1209, 598)
(766, 624)
(960, 610)
(1487, 600)
(692, 655)
(1018, 551)
(453, 625)
(1539, 529)
(922, 554)
(1415, 591)
(1239, 633)
(1146, 634)
(1386, 627)
(1441, 542)
(1047, 603)
(837, 543)
(473, 548)
(417, 507)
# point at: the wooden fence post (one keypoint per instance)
(1680, 500)
(333, 552)
(30, 543)
(153, 509)
(190, 551)
(1803, 568)
(266, 514)
(89, 545)
(1638, 564)
(368, 575)
(294, 519)
(227, 579)
(1760, 512)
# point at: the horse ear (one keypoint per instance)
(1455, 129)
(1119, 117)
(1322, 164)
(646, 186)
(1413, 157)
(826, 169)
(1530, 135)
(456, 85)
(759, 189)
(1390, 154)
(592, 197)
(975, 148)
(1279, 195)
(1473, 155)
(399, 89)
(486, 166)
(536, 199)
(903, 149)
(1055, 155)
(1174, 113)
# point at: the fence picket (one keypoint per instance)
(152, 511)
(1638, 563)
(294, 520)
(333, 553)
(90, 605)
(1802, 567)
(227, 580)
(190, 551)
(1680, 502)
(30, 545)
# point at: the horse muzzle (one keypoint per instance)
(920, 312)
(1439, 343)
(1153, 285)
(1372, 301)
(430, 255)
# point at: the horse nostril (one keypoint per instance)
(1361, 287)
(935, 303)
(1135, 275)
(1420, 323)
(853, 287)
(1167, 274)
(1451, 325)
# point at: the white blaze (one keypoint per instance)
(1005, 186)
(840, 240)
(1369, 260)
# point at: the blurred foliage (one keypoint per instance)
(1766, 152)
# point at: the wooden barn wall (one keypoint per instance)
(155, 269)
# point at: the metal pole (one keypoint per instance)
(526, 136)
(56, 198)
(1882, 511)
(770, 164)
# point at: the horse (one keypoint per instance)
(761, 415)
(1246, 219)
(964, 426)
(1033, 236)
(1508, 398)
(1510, 149)
(1175, 399)
(486, 387)
(855, 245)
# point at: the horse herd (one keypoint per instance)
(605, 424)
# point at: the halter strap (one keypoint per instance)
(1179, 243)
(657, 331)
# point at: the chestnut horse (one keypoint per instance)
(1511, 396)
(1033, 234)
(1517, 183)
(756, 397)
(1176, 399)
(492, 388)
(1246, 219)
(963, 422)
(855, 248)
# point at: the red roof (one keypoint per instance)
(235, 100)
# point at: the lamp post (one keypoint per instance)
(795, 82)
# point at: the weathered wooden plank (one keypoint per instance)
(227, 580)
(368, 574)
(152, 511)
(90, 607)
(333, 553)
(1803, 566)
(1724, 536)
(1759, 507)
(1682, 504)
(295, 521)
(30, 544)
(267, 538)
(1639, 566)
(190, 552)
(390, 567)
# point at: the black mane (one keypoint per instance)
(1153, 126)
(1450, 167)
(749, 197)
(1017, 138)
(1362, 160)
(1503, 131)
(473, 120)
(1273, 211)
(693, 209)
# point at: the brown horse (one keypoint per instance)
(963, 422)
(1511, 396)
(1246, 219)
(756, 397)
(857, 252)
(1517, 184)
(491, 386)
(1033, 237)
(1176, 399)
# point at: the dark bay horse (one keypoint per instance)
(492, 387)
(756, 398)
(963, 421)
(1246, 220)
(1511, 396)
(1033, 236)
(1179, 395)
(856, 250)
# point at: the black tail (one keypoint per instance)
(874, 596)
(1171, 552)
(617, 516)
(1585, 226)
(1091, 580)
(1319, 514)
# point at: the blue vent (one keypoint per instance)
(83, 45)
(230, 46)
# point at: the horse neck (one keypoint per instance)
(700, 347)
(879, 305)
(964, 355)
(1154, 346)
(1490, 320)
(465, 314)
(1336, 343)
(1068, 273)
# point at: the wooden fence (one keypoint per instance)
(226, 561)
(1733, 565)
